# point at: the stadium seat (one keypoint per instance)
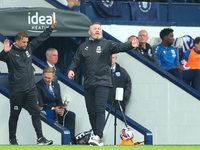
(50, 113)
(155, 41)
(178, 44)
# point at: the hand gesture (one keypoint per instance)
(135, 42)
(181, 67)
(7, 46)
(60, 111)
(53, 22)
(71, 74)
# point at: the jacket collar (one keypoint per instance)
(17, 48)
(117, 68)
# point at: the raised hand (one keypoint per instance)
(53, 22)
(135, 42)
(7, 46)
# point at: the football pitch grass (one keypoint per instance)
(73, 147)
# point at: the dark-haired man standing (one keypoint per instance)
(96, 55)
(167, 54)
(18, 58)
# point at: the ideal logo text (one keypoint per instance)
(36, 19)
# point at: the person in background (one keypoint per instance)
(49, 93)
(167, 54)
(70, 3)
(130, 38)
(144, 48)
(96, 55)
(18, 58)
(191, 63)
(121, 79)
(52, 58)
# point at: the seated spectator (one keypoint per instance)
(49, 93)
(144, 48)
(167, 54)
(120, 78)
(191, 62)
(70, 3)
(52, 58)
(130, 38)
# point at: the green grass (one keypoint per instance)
(73, 147)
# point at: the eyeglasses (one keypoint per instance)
(142, 35)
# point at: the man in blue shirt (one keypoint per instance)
(167, 54)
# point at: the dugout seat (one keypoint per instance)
(154, 41)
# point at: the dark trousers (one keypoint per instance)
(68, 121)
(29, 98)
(96, 100)
(192, 76)
(176, 72)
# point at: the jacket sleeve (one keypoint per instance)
(186, 55)
(155, 60)
(177, 59)
(128, 86)
(158, 53)
(58, 95)
(77, 60)
(39, 91)
(3, 55)
(116, 47)
(36, 42)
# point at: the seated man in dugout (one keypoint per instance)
(144, 48)
(167, 54)
(49, 93)
(191, 63)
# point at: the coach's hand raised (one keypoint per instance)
(53, 22)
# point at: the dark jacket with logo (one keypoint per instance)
(19, 63)
(148, 53)
(96, 57)
(120, 78)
